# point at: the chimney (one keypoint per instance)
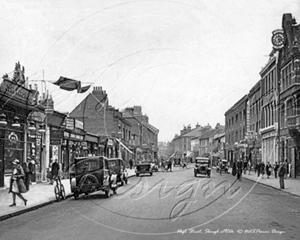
(189, 128)
(197, 125)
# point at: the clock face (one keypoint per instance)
(278, 39)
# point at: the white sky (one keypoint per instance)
(183, 61)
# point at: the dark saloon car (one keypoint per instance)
(202, 166)
(144, 167)
(89, 174)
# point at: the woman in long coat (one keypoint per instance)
(17, 185)
(268, 169)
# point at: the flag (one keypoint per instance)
(71, 84)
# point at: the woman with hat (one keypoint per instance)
(17, 185)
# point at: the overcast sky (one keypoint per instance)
(183, 61)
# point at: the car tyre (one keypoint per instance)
(137, 174)
(151, 174)
(195, 174)
(76, 195)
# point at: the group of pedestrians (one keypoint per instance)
(280, 170)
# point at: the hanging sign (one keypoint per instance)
(13, 138)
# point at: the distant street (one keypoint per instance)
(168, 205)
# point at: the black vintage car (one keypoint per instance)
(144, 167)
(89, 174)
(202, 166)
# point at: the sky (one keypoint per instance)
(183, 61)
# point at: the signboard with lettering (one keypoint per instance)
(78, 124)
(70, 123)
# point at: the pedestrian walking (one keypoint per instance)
(220, 166)
(130, 163)
(17, 185)
(245, 165)
(262, 169)
(249, 167)
(258, 165)
(281, 174)
(239, 170)
(276, 167)
(286, 166)
(170, 165)
(268, 169)
(233, 169)
(27, 173)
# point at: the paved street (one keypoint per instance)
(168, 205)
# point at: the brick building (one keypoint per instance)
(235, 130)
(103, 120)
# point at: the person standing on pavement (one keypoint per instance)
(54, 171)
(249, 166)
(286, 166)
(239, 170)
(281, 174)
(17, 185)
(220, 166)
(262, 169)
(27, 173)
(130, 163)
(234, 169)
(268, 169)
(258, 166)
(276, 167)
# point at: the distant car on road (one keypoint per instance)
(202, 166)
(144, 167)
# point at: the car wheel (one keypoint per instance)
(137, 174)
(151, 174)
(76, 195)
(122, 183)
(195, 174)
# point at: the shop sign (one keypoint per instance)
(56, 134)
(55, 142)
(84, 144)
(110, 142)
(79, 137)
(70, 123)
(13, 138)
(66, 135)
(72, 135)
(78, 124)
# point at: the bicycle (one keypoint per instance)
(59, 189)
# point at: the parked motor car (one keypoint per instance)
(117, 165)
(202, 166)
(144, 167)
(90, 174)
(224, 166)
(176, 162)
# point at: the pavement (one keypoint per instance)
(292, 185)
(39, 195)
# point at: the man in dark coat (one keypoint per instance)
(281, 173)
(239, 169)
(276, 167)
(54, 170)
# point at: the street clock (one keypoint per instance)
(278, 39)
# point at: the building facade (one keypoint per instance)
(235, 130)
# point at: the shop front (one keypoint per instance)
(91, 144)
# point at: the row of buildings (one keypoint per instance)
(264, 125)
(198, 141)
(30, 128)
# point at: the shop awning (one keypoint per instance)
(189, 154)
(123, 145)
